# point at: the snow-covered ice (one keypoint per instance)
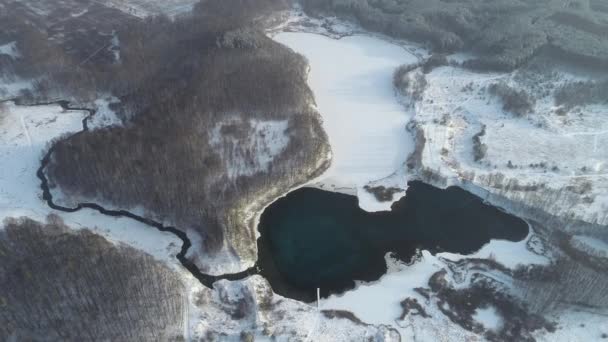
(352, 82)
(378, 302)
(10, 88)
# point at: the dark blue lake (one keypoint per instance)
(314, 238)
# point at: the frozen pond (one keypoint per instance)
(352, 82)
(313, 238)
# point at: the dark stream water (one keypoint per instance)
(314, 238)
(47, 196)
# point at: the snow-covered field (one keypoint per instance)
(560, 151)
(379, 302)
(352, 82)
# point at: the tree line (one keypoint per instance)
(58, 284)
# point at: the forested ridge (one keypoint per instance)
(181, 82)
(58, 284)
(503, 34)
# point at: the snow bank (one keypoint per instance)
(352, 82)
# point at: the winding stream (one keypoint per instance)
(205, 279)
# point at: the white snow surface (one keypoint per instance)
(508, 253)
(10, 49)
(115, 47)
(488, 317)
(104, 116)
(269, 317)
(379, 302)
(10, 88)
(351, 79)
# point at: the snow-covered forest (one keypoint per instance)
(197, 115)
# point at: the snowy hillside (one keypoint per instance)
(547, 161)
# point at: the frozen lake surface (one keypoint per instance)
(313, 238)
(352, 82)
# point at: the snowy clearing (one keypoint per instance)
(10, 49)
(352, 82)
(249, 146)
(379, 302)
(488, 317)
